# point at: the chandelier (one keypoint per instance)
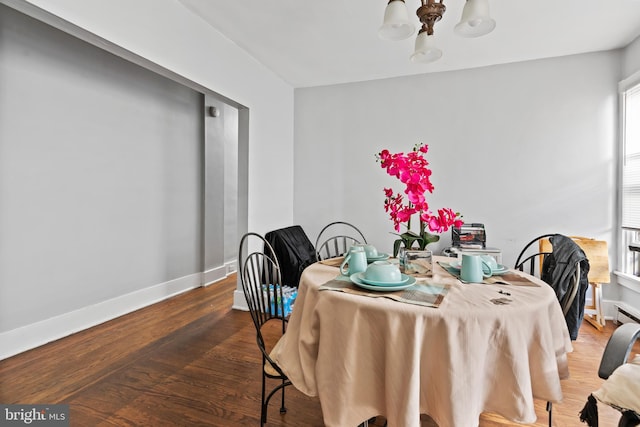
(475, 22)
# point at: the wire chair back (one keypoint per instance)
(531, 257)
(262, 283)
(531, 261)
(337, 244)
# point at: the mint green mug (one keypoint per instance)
(356, 260)
(473, 269)
(491, 262)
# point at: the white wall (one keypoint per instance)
(178, 41)
(631, 59)
(525, 148)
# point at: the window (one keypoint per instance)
(630, 189)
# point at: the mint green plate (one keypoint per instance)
(406, 283)
(403, 279)
(502, 269)
(380, 257)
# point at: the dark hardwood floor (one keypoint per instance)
(193, 361)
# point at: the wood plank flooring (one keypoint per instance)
(193, 361)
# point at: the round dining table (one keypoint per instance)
(481, 347)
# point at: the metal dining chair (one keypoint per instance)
(532, 261)
(262, 286)
(335, 239)
(537, 260)
(619, 374)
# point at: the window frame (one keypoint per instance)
(625, 262)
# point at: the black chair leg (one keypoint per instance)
(550, 410)
(263, 407)
(283, 410)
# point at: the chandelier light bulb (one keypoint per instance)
(425, 49)
(475, 21)
(396, 24)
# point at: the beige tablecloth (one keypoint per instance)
(367, 356)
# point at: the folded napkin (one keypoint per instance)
(453, 271)
(511, 279)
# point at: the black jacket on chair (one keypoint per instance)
(294, 252)
(557, 270)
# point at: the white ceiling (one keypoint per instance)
(313, 43)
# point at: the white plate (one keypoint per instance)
(356, 280)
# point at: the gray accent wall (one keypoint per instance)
(101, 175)
(146, 243)
(220, 183)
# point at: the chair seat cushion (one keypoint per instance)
(622, 389)
(270, 370)
(268, 367)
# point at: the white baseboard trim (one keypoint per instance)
(213, 275)
(230, 266)
(39, 333)
(239, 302)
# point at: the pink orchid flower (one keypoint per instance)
(412, 169)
